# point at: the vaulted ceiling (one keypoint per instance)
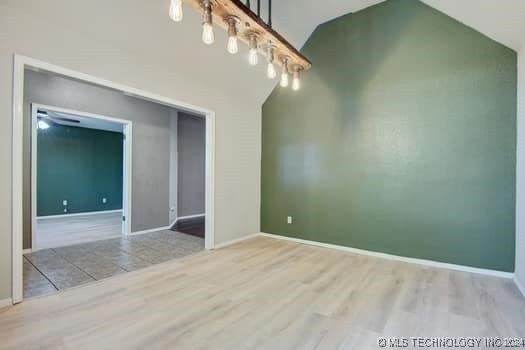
(501, 20)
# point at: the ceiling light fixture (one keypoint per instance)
(270, 69)
(208, 36)
(232, 21)
(42, 125)
(284, 71)
(176, 13)
(242, 23)
(253, 57)
(296, 82)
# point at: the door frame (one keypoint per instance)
(127, 130)
(22, 62)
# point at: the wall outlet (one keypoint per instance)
(289, 220)
(64, 202)
(104, 200)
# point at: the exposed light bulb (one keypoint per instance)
(284, 79)
(233, 48)
(207, 28)
(284, 73)
(207, 34)
(270, 71)
(253, 58)
(176, 12)
(296, 82)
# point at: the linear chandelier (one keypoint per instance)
(243, 24)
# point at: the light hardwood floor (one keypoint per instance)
(267, 294)
(58, 232)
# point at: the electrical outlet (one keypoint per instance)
(104, 200)
(64, 202)
(289, 220)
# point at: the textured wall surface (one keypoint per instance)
(402, 140)
(191, 153)
(79, 165)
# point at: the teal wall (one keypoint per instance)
(402, 140)
(80, 165)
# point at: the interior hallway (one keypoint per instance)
(267, 294)
(49, 270)
(75, 229)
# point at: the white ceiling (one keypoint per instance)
(501, 20)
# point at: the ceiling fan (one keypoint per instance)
(45, 120)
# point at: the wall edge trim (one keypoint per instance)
(78, 214)
(186, 217)
(149, 230)
(6, 302)
(431, 263)
(236, 240)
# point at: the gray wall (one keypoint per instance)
(191, 131)
(173, 166)
(151, 141)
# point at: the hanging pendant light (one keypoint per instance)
(270, 69)
(253, 57)
(176, 13)
(232, 22)
(296, 82)
(207, 23)
(284, 72)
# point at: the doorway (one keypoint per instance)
(153, 240)
(80, 177)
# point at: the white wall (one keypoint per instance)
(520, 178)
(133, 42)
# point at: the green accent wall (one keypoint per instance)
(402, 140)
(80, 165)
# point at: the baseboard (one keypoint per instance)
(78, 214)
(186, 217)
(6, 302)
(150, 230)
(431, 263)
(237, 240)
(27, 251)
(519, 285)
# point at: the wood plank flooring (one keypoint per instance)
(265, 293)
(63, 231)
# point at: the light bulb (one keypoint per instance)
(253, 58)
(270, 71)
(233, 48)
(207, 33)
(296, 83)
(284, 79)
(176, 13)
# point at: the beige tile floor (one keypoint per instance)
(49, 270)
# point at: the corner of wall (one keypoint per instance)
(520, 175)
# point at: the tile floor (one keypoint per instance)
(49, 270)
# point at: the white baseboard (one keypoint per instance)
(27, 251)
(150, 230)
(186, 217)
(397, 257)
(6, 302)
(78, 214)
(519, 285)
(237, 240)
